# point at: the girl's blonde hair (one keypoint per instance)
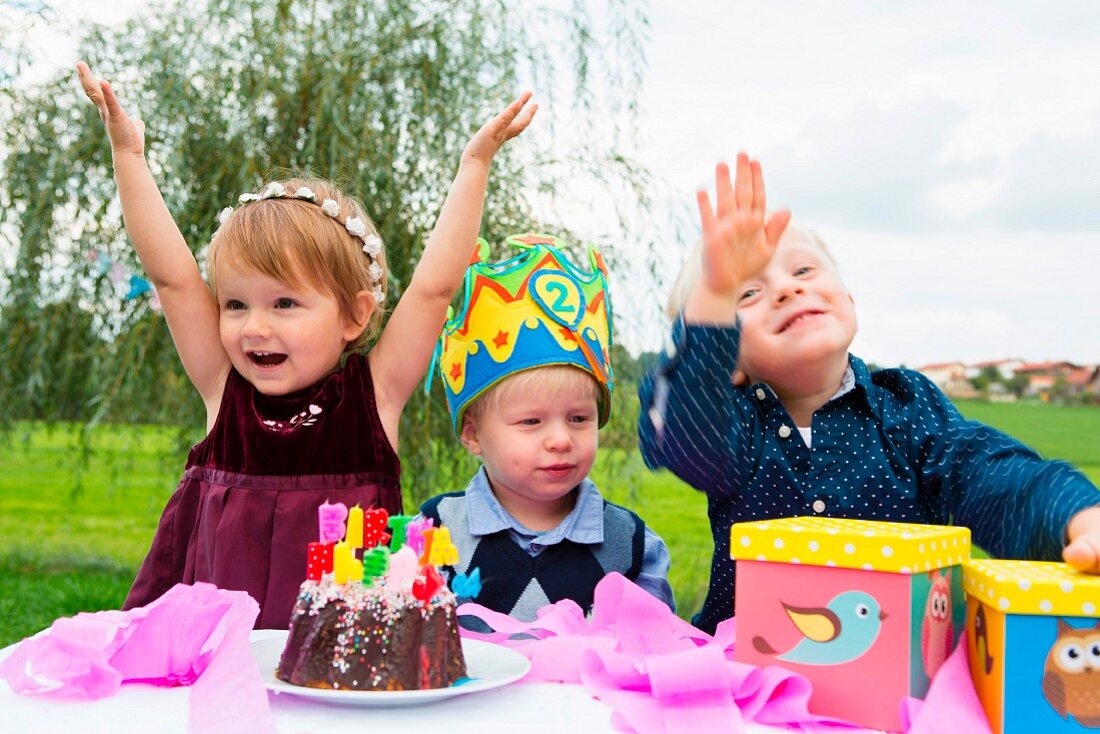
(533, 382)
(293, 240)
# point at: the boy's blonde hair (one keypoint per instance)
(294, 241)
(693, 267)
(536, 381)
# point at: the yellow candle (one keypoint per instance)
(341, 562)
(355, 527)
(355, 575)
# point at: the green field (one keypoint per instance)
(62, 553)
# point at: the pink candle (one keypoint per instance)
(330, 521)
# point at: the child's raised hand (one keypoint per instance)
(1083, 551)
(496, 132)
(126, 134)
(737, 243)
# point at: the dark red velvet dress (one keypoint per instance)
(246, 508)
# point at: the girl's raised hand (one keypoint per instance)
(496, 132)
(126, 134)
(737, 243)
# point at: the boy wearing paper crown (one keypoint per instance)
(526, 370)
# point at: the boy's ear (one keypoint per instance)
(363, 308)
(468, 436)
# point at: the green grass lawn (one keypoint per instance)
(62, 553)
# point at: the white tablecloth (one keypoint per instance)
(524, 708)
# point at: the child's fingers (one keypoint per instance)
(742, 185)
(723, 188)
(514, 108)
(706, 213)
(1083, 555)
(110, 101)
(520, 124)
(90, 84)
(775, 227)
(758, 197)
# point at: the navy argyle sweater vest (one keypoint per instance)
(518, 584)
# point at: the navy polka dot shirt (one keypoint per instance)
(891, 448)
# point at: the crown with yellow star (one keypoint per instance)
(536, 309)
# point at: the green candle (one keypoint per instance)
(397, 525)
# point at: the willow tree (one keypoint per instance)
(379, 95)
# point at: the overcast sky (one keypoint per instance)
(949, 154)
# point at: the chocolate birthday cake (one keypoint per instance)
(351, 636)
(369, 620)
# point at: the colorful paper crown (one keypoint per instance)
(536, 309)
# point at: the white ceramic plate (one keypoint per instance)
(488, 666)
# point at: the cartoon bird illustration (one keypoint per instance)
(841, 631)
(936, 630)
(981, 640)
(1071, 678)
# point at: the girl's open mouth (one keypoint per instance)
(266, 359)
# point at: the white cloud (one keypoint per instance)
(946, 150)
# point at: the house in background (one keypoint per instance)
(1084, 380)
(1005, 367)
(950, 377)
(1002, 380)
(1046, 379)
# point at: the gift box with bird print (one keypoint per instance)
(868, 611)
(1033, 642)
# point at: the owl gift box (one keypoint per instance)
(867, 611)
(1033, 643)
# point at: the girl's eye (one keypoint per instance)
(748, 293)
(581, 418)
(285, 303)
(529, 421)
(233, 305)
(803, 270)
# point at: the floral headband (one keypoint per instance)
(356, 227)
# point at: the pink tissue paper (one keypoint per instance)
(661, 675)
(191, 636)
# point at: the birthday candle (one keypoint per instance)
(341, 562)
(414, 533)
(374, 527)
(426, 554)
(355, 527)
(318, 560)
(330, 521)
(403, 568)
(443, 551)
(397, 524)
(375, 563)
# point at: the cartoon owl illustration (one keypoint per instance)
(1071, 679)
(936, 631)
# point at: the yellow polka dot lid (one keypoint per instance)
(863, 544)
(1032, 587)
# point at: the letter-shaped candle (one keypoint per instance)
(374, 527)
(318, 560)
(341, 562)
(414, 533)
(397, 525)
(355, 527)
(330, 521)
(443, 551)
